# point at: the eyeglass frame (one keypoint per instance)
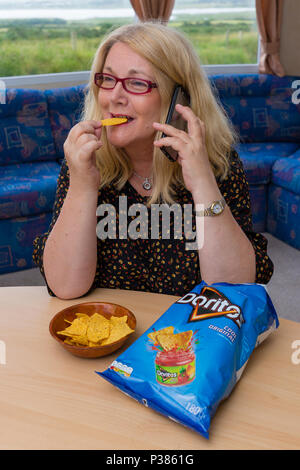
(150, 84)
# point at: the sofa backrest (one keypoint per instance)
(25, 130)
(65, 107)
(34, 124)
(260, 106)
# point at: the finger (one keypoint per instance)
(92, 122)
(179, 160)
(166, 128)
(202, 125)
(169, 130)
(194, 123)
(89, 148)
(176, 143)
(84, 138)
(85, 127)
(98, 132)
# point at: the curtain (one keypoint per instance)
(269, 16)
(153, 9)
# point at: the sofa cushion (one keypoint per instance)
(259, 201)
(260, 106)
(25, 131)
(27, 188)
(65, 107)
(16, 241)
(286, 173)
(284, 215)
(259, 158)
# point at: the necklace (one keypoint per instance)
(147, 183)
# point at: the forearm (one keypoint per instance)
(70, 255)
(225, 252)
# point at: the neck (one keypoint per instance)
(142, 162)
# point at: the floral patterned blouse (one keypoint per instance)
(160, 263)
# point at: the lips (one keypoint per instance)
(129, 118)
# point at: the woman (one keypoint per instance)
(124, 163)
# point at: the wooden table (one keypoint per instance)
(50, 399)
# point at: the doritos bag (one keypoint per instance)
(194, 354)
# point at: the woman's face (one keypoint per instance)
(135, 136)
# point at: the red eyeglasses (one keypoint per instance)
(136, 86)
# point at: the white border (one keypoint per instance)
(230, 69)
(74, 78)
(53, 79)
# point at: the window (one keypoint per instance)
(222, 32)
(41, 37)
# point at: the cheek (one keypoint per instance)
(102, 99)
(157, 109)
(153, 111)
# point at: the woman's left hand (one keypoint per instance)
(190, 145)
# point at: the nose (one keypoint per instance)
(118, 93)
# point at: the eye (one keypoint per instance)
(138, 83)
(107, 79)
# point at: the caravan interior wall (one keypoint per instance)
(290, 37)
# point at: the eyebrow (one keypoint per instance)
(130, 72)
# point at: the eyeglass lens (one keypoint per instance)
(134, 85)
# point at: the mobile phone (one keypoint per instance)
(180, 96)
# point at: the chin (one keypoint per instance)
(118, 139)
(119, 143)
(130, 144)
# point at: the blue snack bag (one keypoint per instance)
(190, 359)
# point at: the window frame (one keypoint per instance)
(75, 78)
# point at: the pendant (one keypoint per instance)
(147, 184)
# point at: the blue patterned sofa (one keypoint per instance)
(268, 122)
(34, 125)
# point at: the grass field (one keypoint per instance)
(51, 46)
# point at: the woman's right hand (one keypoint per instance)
(79, 148)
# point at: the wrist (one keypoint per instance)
(85, 182)
(206, 193)
(214, 208)
(81, 189)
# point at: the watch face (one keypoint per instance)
(217, 208)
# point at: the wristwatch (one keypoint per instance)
(215, 208)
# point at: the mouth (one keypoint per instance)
(129, 118)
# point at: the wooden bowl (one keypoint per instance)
(103, 308)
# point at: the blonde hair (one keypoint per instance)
(174, 61)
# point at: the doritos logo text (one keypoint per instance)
(211, 303)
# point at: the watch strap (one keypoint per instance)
(214, 209)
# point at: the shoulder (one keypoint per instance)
(236, 168)
(235, 162)
(64, 169)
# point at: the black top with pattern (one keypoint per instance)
(161, 264)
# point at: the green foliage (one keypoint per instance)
(37, 46)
